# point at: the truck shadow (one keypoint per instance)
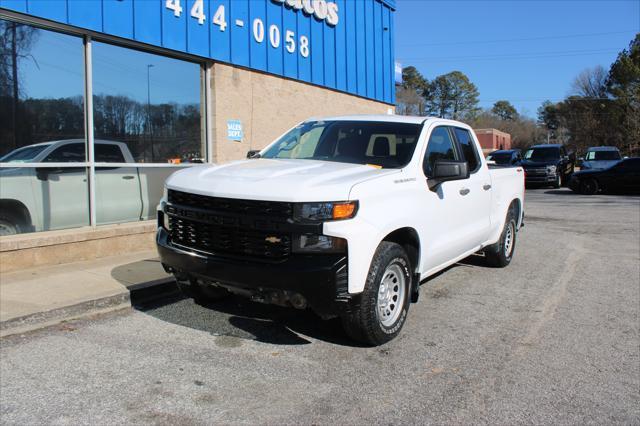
(238, 317)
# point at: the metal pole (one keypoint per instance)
(149, 66)
(88, 112)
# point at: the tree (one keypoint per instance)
(591, 83)
(623, 85)
(452, 95)
(409, 96)
(505, 110)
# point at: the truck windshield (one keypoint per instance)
(542, 154)
(23, 155)
(383, 144)
(602, 155)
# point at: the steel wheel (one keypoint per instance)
(7, 228)
(391, 295)
(508, 239)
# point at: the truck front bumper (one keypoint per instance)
(321, 279)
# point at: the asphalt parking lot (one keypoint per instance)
(552, 339)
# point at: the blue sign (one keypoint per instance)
(234, 130)
(345, 45)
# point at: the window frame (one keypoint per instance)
(473, 145)
(456, 149)
(88, 36)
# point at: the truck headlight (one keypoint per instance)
(314, 212)
(551, 169)
(313, 243)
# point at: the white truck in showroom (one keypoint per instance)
(345, 215)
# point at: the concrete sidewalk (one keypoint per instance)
(38, 297)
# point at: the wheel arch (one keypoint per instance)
(408, 238)
(18, 211)
(516, 204)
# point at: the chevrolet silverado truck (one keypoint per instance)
(345, 215)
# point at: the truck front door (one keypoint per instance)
(455, 220)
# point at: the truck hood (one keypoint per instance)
(599, 164)
(276, 179)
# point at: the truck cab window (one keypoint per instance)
(69, 153)
(440, 147)
(468, 147)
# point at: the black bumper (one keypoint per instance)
(321, 279)
(540, 179)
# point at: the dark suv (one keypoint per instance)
(548, 165)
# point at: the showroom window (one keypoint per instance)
(66, 162)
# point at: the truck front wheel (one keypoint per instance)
(385, 300)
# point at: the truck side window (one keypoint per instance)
(107, 153)
(468, 147)
(68, 153)
(440, 147)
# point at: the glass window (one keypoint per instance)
(603, 155)
(149, 102)
(108, 153)
(440, 147)
(542, 154)
(41, 86)
(388, 145)
(67, 153)
(41, 100)
(468, 148)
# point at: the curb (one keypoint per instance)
(55, 316)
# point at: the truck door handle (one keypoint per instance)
(128, 177)
(465, 191)
(486, 187)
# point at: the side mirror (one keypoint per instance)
(444, 171)
(254, 153)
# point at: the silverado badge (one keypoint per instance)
(273, 240)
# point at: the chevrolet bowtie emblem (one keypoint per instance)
(272, 240)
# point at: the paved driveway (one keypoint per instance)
(554, 338)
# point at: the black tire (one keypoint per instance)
(364, 323)
(500, 254)
(558, 182)
(201, 294)
(589, 187)
(8, 225)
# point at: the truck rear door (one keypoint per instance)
(478, 190)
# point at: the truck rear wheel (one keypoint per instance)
(501, 253)
(8, 226)
(385, 300)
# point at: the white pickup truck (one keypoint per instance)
(345, 215)
(48, 198)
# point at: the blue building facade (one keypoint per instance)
(346, 45)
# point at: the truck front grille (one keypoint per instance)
(229, 227)
(270, 209)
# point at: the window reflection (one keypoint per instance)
(41, 86)
(149, 102)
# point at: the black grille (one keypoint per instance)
(231, 236)
(270, 209)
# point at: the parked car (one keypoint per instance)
(600, 157)
(548, 165)
(344, 215)
(48, 198)
(622, 177)
(506, 157)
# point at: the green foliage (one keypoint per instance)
(505, 110)
(452, 95)
(605, 109)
